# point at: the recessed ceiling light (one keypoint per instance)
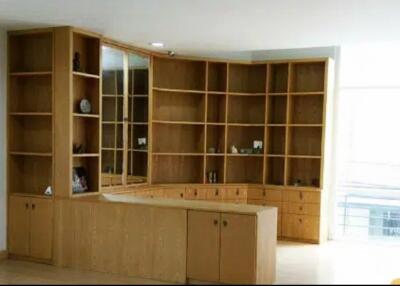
(157, 44)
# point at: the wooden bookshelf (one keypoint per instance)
(30, 113)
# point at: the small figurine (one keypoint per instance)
(234, 150)
(76, 62)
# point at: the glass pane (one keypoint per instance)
(138, 89)
(112, 116)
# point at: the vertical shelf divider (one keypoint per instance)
(287, 139)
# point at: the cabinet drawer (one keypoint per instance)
(300, 227)
(301, 208)
(264, 194)
(174, 193)
(213, 194)
(234, 194)
(196, 194)
(301, 197)
(266, 203)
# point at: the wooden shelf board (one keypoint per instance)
(88, 75)
(86, 115)
(112, 122)
(41, 73)
(244, 155)
(179, 122)
(38, 154)
(31, 195)
(217, 92)
(85, 155)
(247, 124)
(215, 154)
(276, 125)
(138, 150)
(176, 154)
(247, 94)
(216, 123)
(112, 149)
(304, 156)
(307, 93)
(138, 123)
(305, 125)
(277, 94)
(30, 113)
(179, 90)
(276, 155)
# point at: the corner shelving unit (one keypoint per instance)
(30, 113)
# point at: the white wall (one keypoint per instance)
(3, 117)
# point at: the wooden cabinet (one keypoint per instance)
(238, 248)
(222, 247)
(303, 227)
(203, 246)
(31, 227)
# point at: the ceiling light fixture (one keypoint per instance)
(157, 44)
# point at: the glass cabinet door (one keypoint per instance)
(112, 151)
(138, 104)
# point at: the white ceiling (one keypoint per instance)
(215, 26)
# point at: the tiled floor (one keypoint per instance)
(330, 263)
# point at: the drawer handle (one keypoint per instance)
(216, 192)
(301, 208)
(237, 192)
(27, 206)
(215, 222)
(225, 223)
(33, 206)
(195, 193)
(301, 195)
(300, 220)
(181, 195)
(264, 193)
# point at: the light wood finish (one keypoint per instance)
(30, 227)
(203, 246)
(3, 255)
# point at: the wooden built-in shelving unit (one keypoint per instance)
(201, 107)
(30, 112)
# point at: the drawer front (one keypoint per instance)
(234, 194)
(196, 194)
(213, 194)
(267, 204)
(265, 194)
(301, 197)
(301, 208)
(300, 227)
(174, 193)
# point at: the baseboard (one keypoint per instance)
(3, 254)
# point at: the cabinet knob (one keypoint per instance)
(215, 222)
(301, 195)
(216, 192)
(301, 208)
(195, 193)
(237, 191)
(181, 195)
(27, 206)
(33, 206)
(300, 220)
(264, 193)
(225, 223)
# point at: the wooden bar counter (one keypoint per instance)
(166, 239)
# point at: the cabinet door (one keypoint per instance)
(238, 249)
(19, 225)
(41, 238)
(203, 246)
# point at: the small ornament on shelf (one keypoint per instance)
(48, 191)
(78, 148)
(297, 183)
(234, 150)
(79, 182)
(76, 62)
(142, 143)
(211, 150)
(257, 146)
(84, 106)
